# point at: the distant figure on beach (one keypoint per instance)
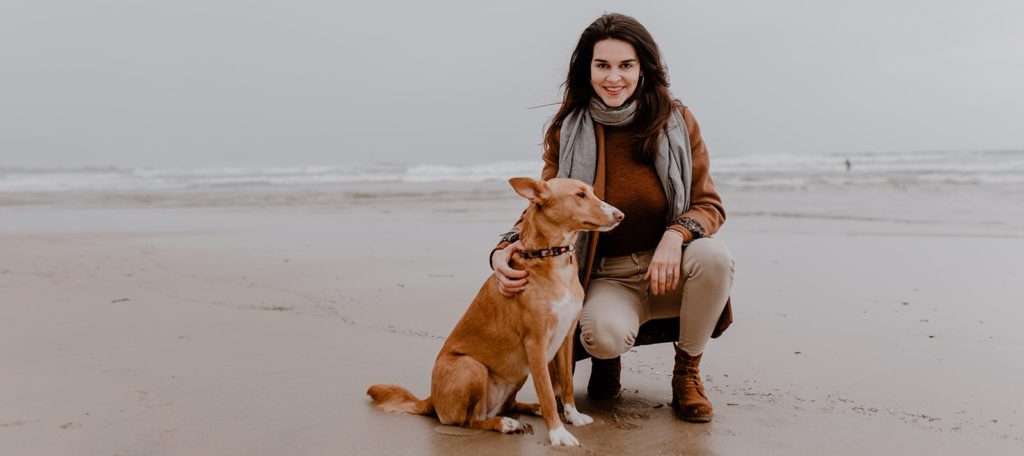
(848, 165)
(621, 130)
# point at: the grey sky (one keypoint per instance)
(232, 82)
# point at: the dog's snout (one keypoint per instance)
(613, 213)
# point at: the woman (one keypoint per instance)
(620, 129)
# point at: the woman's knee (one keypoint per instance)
(606, 339)
(709, 255)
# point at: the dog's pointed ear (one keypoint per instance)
(534, 190)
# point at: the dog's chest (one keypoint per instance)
(565, 310)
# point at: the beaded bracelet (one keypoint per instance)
(692, 226)
(510, 237)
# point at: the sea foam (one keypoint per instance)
(754, 170)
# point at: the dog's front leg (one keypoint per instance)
(536, 356)
(563, 363)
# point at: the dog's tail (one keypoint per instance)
(395, 399)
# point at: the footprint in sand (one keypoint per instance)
(626, 419)
(70, 425)
(148, 399)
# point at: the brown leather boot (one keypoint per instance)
(688, 398)
(604, 378)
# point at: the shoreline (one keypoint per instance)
(866, 321)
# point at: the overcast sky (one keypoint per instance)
(256, 83)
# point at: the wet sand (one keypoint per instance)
(868, 321)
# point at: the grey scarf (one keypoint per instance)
(577, 155)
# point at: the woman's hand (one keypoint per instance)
(510, 280)
(664, 269)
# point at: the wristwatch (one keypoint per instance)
(510, 237)
(692, 226)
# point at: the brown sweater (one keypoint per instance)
(632, 185)
(705, 203)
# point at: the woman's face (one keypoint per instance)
(614, 71)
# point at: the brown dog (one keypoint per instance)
(500, 340)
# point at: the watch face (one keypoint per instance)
(692, 226)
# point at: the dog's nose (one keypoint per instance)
(618, 215)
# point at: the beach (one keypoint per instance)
(234, 320)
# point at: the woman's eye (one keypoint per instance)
(581, 195)
(627, 65)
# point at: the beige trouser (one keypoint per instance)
(618, 299)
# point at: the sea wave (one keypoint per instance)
(1003, 167)
(873, 168)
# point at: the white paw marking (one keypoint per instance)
(560, 437)
(511, 426)
(575, 418)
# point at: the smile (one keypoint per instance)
(614, 90)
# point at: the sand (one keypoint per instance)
(868, 321)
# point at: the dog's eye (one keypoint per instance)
(581, 195)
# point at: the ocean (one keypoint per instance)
(992, 167)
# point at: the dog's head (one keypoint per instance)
(569, 203)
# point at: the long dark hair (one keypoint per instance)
(654, 103)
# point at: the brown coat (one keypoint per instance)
(705, 203)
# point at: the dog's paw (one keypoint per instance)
(511, 426)
(561, 437)
(575, 418)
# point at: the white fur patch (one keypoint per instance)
(575, 418)
(497, 393)
(561, 437)
(609, 210)
(510, 426)
(566, 309)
